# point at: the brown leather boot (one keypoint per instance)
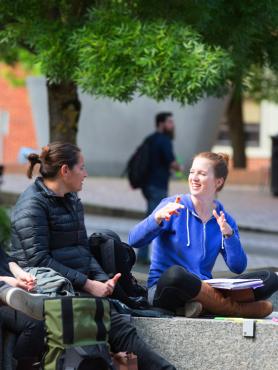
(243, 295)
(216, 303)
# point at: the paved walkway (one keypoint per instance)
(253, 208)
(262, 249)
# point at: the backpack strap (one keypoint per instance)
(67, 319)
(101, 332)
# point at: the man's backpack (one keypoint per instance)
(77, 333)
(138, 165)
(115, 256)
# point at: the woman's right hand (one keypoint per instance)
(165, 213)
(99, 289)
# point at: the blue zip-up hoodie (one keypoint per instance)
(188, 242)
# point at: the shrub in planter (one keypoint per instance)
(5, 228)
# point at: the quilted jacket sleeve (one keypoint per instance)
(30, 240)
(96, 271)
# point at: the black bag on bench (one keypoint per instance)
(116, 256)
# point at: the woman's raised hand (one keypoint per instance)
(225, 228)
(165, 213)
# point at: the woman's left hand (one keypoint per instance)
(225, 228)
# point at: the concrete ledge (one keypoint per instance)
(9, 199)
(206, 344)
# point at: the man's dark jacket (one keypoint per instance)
(49, 231)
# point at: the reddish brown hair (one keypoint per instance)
(52, 158)
(220, 164)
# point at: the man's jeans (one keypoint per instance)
(153, 196)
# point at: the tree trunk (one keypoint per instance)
(235, 123)
(64, 111)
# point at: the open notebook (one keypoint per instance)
(235, 284)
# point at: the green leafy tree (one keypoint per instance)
(109, 49)
(248, 31)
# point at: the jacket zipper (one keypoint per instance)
(204, 239)
(204, 233)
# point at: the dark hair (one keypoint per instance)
(52, 158)
(162, 117)
(220, 164)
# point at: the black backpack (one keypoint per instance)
(115, 256)
(96, 357)
(138, 165)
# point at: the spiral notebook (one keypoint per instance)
(235, 284)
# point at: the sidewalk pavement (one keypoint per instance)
(253, 208)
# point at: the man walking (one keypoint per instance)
(162, 161)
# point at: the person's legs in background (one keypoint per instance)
(30, 333)
(123, 337)
(153, 196)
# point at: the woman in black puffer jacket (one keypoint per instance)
(48, 231)
(48, 223)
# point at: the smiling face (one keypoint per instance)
(74, 177)
(202, 180)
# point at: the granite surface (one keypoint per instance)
(205, 344)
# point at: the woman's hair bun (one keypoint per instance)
(45, 151)
(34, 158)
(225, 157)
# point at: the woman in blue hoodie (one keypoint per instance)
(188, 233)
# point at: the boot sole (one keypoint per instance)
(29, 304)
(190, 310)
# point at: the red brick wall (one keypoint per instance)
(21, 129)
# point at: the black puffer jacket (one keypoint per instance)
(49, 231)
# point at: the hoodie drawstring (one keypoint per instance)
(222, 243)
(187, 227)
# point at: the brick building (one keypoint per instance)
(21, 130)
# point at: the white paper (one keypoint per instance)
(235, 284)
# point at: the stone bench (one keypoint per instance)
(208, 344)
